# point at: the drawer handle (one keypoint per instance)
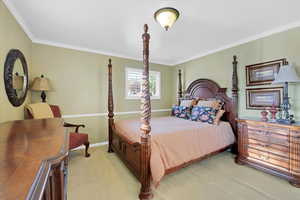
(263, 157)
(264, 132)
(264, 145)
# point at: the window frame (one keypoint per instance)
(158, 82)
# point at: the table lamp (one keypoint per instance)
(287, 74)
(18, 81)
(41, 84)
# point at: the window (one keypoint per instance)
(134, 83)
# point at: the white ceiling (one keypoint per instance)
(114, 27)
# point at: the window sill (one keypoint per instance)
(138, 98)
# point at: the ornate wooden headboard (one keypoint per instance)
(205, 88)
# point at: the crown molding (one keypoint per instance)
(27, 31)
(9, 5)
(105, 53)
(243, 41)
(31, 36)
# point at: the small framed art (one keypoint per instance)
(262, 98)
(263, 73)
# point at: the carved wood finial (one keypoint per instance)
(234, 58)
(109, 61)
(146, 28)
(146, 38)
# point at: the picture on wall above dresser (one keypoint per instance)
(263, 98)
(263, 73)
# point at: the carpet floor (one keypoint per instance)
(104, 177)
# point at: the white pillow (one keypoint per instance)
(186, 103)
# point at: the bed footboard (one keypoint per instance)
(129, 152)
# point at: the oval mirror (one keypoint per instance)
(16, 77)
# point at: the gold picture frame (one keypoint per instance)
(262, 98)
(263, 73)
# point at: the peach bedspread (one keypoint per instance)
(176, 141)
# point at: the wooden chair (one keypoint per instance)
(76, 139)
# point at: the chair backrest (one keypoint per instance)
(56, 111)
(54, 108)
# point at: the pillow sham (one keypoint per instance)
(203, 114)
(218, 117)
(181, 112)
(186, 103)
(215, 104)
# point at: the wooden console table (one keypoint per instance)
(33, 160)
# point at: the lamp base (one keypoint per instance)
(285, 121)
(43, 96)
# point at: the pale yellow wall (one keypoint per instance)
(79, 81)
(218, 66)
(11, 37)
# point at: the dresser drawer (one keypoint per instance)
(268, 158)
(267, 128)
(277, 136)
(280, 150)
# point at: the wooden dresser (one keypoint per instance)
(271, 147)
(33, 160)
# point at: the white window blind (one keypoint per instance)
(134, 83)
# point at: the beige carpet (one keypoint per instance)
(104, 177)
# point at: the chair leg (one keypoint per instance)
(87, 145)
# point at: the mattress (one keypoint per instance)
(176, 141)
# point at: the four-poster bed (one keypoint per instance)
(131, 140)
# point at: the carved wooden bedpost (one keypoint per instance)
(235, 101)
(145, 192)
(235, 88)
(110, 108)
(179, 87)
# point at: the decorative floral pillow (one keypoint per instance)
(181, 112)
(203, 114)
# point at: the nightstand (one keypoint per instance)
(270, 147)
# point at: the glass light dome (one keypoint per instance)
(166, 16)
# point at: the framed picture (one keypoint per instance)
(263, 73)
(261, 98)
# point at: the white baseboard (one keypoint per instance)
(92, 145)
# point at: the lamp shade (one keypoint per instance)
(18, 81)
(286, 74)
(166, 16)
(41, 84)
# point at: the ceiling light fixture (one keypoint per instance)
(166, 16)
